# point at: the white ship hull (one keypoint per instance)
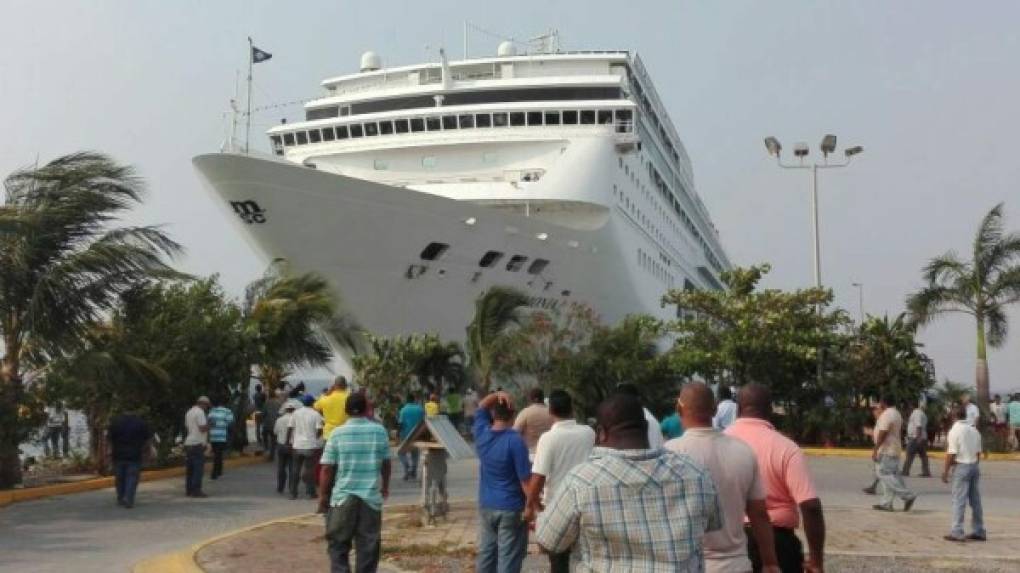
(367, 239)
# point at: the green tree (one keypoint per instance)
(293, 320)
(497, 310)
(64, 261)
(627, 352)
(886, 359)
(746, 334)
(982, 287)
(547, 337)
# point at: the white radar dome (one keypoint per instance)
(370, 61)
(506, 49)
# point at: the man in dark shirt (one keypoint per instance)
(504, 473)
(128, 436)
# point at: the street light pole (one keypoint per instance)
(860, 300)
(800, 151)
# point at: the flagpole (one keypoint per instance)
(251, 64)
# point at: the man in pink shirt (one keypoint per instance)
(789, 491)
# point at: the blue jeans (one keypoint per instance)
(125, 476)
(965, 489)
(503, 541)
(194, 466)
(888, 470)
(410, 462)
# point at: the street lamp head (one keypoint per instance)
(800, 149)
(828, 144)
(772, 144)
(851, 151)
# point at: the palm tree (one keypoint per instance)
(982, 287)
(64, 264)
(293, 321)
(496, 310)
(439, 365)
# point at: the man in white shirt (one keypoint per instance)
(304, 435)
(886, 455)
(971, 410)
(197, 427)
(559, 450)
(734, 469)
(917, 441)
(283, 451)
(726, 411)
(963, 450)
(655, 440)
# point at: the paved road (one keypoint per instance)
(87, 532)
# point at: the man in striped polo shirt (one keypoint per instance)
(355, 480)
(220, 418)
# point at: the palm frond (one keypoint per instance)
(989, 234)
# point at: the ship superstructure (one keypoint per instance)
(415, 188)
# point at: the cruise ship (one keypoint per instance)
(413, 189)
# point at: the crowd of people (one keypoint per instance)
(713, 486)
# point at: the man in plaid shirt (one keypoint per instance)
(631, 508)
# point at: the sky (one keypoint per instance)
(929, 88)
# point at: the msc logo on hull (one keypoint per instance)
(249, 211)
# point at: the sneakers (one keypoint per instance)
(869, 490)
(880, 507)
(976, 537)
(954, 538)
(909, 503)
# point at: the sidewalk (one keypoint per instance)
(859, 539)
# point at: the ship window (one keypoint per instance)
(328, 134)
(537, 266)
(315, 136)
(449, 122)
(276, 140)
(490, 258)
(552, 118)
(570, 117)
(534, 118)
(288, 139)
(499, 120)
(466, 121)
(516, 262)
(433, 251)
(433, 124)
(341, 132)
(386, 127)
(517, 118)
(483, 120)
(428, 162)
(623, 115)
(356, 130)
(417, 124)
(302, 138)
(401, 126)
(605, 116)
(381, 164)
(588, 116)
(371, 129)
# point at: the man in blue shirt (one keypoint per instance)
(220, 419)
(410, 415)
(504, 473)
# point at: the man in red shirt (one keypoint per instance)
(789, 491)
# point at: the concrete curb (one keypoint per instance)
(184, 561)
(866, 454)
(27, 494)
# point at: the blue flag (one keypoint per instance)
(258, 55)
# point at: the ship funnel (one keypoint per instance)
(370, 62)
(506, 49)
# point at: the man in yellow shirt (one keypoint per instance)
(432, 406)
(333, 406)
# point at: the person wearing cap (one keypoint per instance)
(197, 427)
(283, 449)
(304, 435)
(354, 481)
